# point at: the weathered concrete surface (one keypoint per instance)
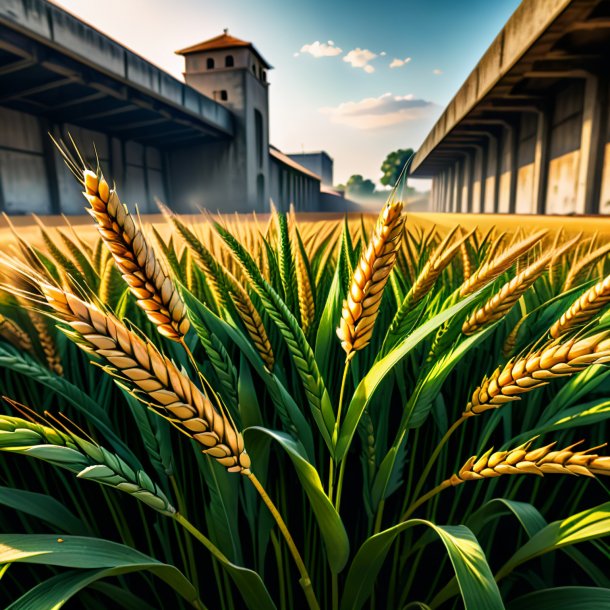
(537, 104)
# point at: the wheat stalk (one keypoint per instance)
(585, 308)
(369, 279)
(492, 268)
(540, 461)
(524, 374)
(152, 287)
(151, 376)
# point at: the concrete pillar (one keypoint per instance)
(541, 158)
(483, 175)
(458, 181)
(514, 166)
(468, 182)
(591, 146)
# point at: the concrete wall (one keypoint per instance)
(35, 179)
(318, 162)
(290, 187)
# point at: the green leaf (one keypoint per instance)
(586, 525)
(289, 412)
(44, 507)
(298, 346)
(564, 598)
(53, 593)
(330, 524)
(95, 553)
(23, 364)
(478, 588)
(366, 388)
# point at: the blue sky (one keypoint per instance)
(339, 95)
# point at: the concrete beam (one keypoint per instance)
(541, 159)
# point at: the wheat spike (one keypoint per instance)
(152, 287)
(511, 340)
(585, 308)
(524, 374)
(47, 342)
(577, 268)
(369, 279)
(541, 461)
(14, 334)
(252, 320)
(502, 302)
(85, 459)
(437, 263)
(466, 264)
(492, 268)
(152, 376)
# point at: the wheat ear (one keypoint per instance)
(541, 461)
(82, 457)
(436, 264)
(47, 342)
(577, 268)
(152, 287)
(10, 331)
(361, 307)
(524, 374)
(466, 263)
(151, 376)
(251, 319)
(491, 269)
(502, 302)
(585, 308)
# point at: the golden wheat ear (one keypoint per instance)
(519, 376)
(541, 461)
(361, 307)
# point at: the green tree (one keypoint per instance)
(357, 185)
(393, 165)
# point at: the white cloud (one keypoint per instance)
(399, 63)
(319, 49)
(375, 112)
(382, 54)
(360, 58)
(437, 71)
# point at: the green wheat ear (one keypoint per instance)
(84, 458)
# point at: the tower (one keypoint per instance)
(232, 72)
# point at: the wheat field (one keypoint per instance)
(285, 411)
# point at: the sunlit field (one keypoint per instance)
(280, 411)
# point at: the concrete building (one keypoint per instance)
(528, 131)
(320, 163)
(201, 143)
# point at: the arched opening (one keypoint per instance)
(260, 192)
(229, 61)
(210, 63)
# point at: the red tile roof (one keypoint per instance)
(224, 41)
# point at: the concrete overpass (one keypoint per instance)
(528, 130)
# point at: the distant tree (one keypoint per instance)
(393, 165)
(357, 185)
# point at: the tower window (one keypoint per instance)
(259, 135)
(221, 95)
(264, 76)
(210, 63)
(229, 62)
(254, 68)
